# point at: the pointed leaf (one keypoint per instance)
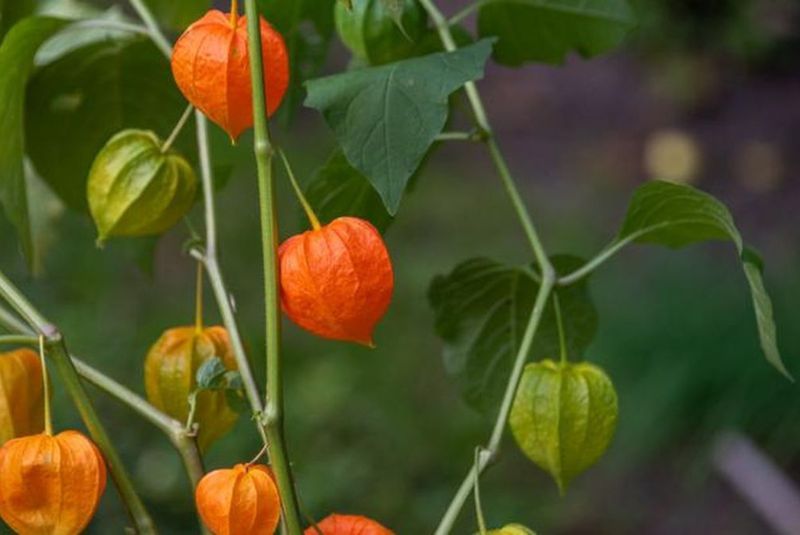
(482, 308)
(547, 30)
(16, 61)
(675, 215)
(386, 118)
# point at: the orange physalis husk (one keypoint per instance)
(50, 485)
(239, 500)
(21, 395)
(170, 376)
(337, 281)
(348, 525)
(210, 63)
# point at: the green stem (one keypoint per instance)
(493, 449)
(548, 274)
(477, 493)
(459, 136)
(215, 277)
(151, 24)
(178, 128)
(312, 217)
(48, 413)
(562, 341)
(18, 339)
(482, 121)
(264, 151)
(186, 446)
(466, 12)
(57, 350)
(606, 254)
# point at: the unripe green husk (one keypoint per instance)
(511, 529)
(368, 30)
(564, 417)
(136, 189)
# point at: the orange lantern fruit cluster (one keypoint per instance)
(348, 525)
(337, 281)
(50, 485)
(239, 500)
(210, 63)
(170, 372)
(21, 395)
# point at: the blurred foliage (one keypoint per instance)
(383, 432)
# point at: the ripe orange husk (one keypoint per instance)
(242, 500)
(348, 525)
(21, 395)
(50, 485)
(337, 281)
(210, 63)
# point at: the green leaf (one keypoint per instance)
(16, 61)
(78, 102)
(339, 190)
(564, 417)
(547, 30)
(211, 374)
(13, 10)
(482, 308)
(675, 215)
(386, 118)
(307, 26)
(178, 15)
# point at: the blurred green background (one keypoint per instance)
(706, 92)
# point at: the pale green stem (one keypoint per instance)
(48, 414)
(57, 350)
(186, 445)
(178, 128)
(150, 22)
(477, 493)
(492, 450)
(562, 341)
(209, 255)
(312, 217)
(18, 339)
(548, 275)
(466, 12)
(459, 136)
(273, 416)
(482, 121)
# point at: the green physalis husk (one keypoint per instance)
(136, 189)
(564, 417)
(511, 529)
(375, 36)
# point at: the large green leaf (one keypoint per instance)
(547, 30)
(339, 190)
(387, 117)
(676, 215)
(307, 26)
(178, 14)
(13, 10)
(482, 308)
(78, 102)
(16, 61)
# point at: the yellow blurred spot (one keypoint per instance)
(672, 155)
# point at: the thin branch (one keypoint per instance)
(493, 449)
(57, 351)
